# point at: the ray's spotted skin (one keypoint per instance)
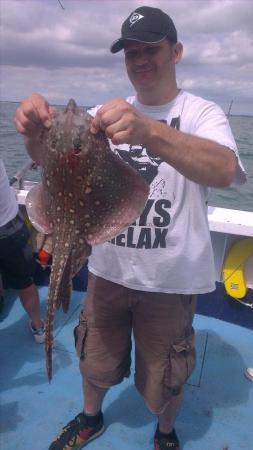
(88, 195)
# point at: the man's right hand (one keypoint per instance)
(33, 114)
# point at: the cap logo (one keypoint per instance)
(135, 17)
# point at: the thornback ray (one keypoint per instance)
(88, 196)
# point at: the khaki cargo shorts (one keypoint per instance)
(164, 339)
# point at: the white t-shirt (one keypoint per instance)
(8, 202)
(168, 249)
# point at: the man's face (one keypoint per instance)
(148, 65)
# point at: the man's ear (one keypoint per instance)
(178, 52)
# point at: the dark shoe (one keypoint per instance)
(77, 433)
(166, 441)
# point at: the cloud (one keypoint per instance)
(219, 16)
(64, 53)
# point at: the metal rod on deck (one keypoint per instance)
(18, 177)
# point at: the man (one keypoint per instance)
(15, 269)
(147, 278)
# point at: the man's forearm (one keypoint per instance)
(201, 160)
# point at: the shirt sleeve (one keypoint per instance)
(210, 122)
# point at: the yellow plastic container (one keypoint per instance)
(233, 267)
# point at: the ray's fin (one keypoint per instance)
(36, 209)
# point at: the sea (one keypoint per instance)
(13, 153)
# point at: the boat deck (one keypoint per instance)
(216, 413)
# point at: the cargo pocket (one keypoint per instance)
(181, 362)
(80, 335)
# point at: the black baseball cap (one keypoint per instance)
(146, 24)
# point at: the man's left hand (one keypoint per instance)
(122, 123)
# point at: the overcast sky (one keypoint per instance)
(64, 53)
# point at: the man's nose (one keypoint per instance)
(141, 55)
(141, 59)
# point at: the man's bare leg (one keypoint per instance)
(93, 398)
(168, 417)
(29, 298)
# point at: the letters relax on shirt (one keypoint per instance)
(168, 249)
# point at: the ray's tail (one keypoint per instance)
(59, 276)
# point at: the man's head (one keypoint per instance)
(146, 25)
(151, 50)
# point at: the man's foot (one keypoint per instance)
(249, 373)
(39, 334)
(77, 433)
(164, 441)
